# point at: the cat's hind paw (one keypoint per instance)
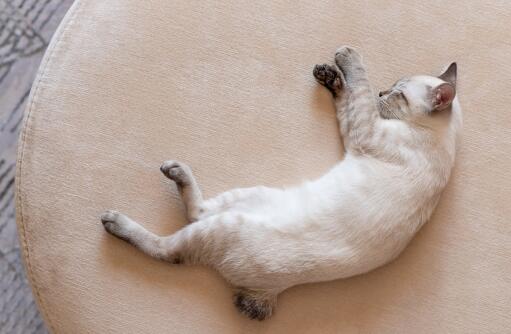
(176, 171)
(109, 218)
(329, 77)
(116, 224)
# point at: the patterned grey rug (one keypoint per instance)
(26, 27)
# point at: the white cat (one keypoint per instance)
(400, 149)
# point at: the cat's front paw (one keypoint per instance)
(116, 224)
(328, 76)
(176, 171)
(346, 56)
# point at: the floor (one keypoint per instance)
(26, 27)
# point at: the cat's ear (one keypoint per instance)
(449, 74)
(443, 95)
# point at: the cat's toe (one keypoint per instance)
(110, 219)
(167, 165)
(109, 216)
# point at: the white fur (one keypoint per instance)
(357, 217)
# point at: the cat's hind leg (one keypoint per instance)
(187, 186)
(130, 231)
(189, 245)
(194, 244)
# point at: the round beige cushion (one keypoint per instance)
(227, 87)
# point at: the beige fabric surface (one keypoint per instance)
(227, 87)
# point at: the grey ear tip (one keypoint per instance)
(450, 73)
(453, 68)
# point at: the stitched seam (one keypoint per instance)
(65, 24)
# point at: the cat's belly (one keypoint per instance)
(340, 226)
(274, 260)
(299, 248)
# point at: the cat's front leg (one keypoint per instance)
(357, 111)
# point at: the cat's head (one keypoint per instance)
(419, 98)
